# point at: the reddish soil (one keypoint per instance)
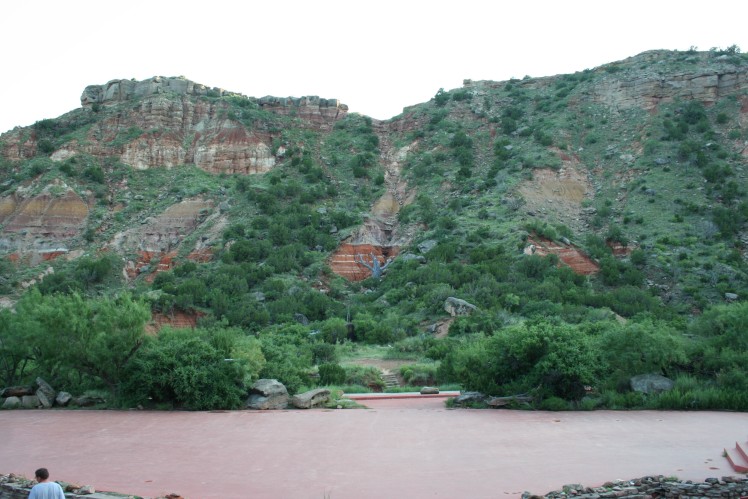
(619, 250)
(343, 262)
(177, 319)
(162, 262)
(568, 255)
(410, 448)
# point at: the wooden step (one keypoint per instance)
(737, 458)
(741, 451)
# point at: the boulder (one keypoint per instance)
(63, 399)
(426, 246)
(268, 394)
(16, 391)
(86, 490)
(429, 390)
(651, 383)
(11, 403)
(45, 402)
(30, 402)
(731, 296)
(301, 319)
(46, 390)
(455, 306)
(310, 399)
(410, 256)
(470, 398)
(87, 401)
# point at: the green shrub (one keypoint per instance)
(180, 367)
(334, 330)
(419, 374)
(554, 404)
(441, 97)
(331, 374)
(555, 359)
(368, 376)
(324, 353)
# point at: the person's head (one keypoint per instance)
(41, 474)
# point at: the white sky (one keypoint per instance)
(376, 56)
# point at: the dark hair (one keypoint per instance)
(42, 473)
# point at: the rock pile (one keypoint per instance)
(653, 486)
(41, 396)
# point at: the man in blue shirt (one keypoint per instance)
(45, 489)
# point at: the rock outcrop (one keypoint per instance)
(165, 122)
(43, 223)
(458, 307)
(568, 254)
(470, 398)
(116, 91)
(267, 394)
(647, 90)
(312, 398)
(311, 109)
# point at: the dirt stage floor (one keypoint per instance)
(408, 448)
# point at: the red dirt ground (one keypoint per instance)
(568, 255)
(398, 448)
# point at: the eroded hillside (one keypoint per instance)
(635, 167)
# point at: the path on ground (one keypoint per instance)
(398, 448)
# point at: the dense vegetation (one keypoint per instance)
(270, 306)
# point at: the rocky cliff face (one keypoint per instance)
(170, 122)
(156, 123)
(166, 122)
(41, 226)
(648, 90)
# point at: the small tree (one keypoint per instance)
(376, 268)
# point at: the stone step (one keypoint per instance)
(390, 380)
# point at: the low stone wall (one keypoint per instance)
(18, 487)
(653, 486)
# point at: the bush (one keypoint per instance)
(289, 358)
(323, 353)
(641, 347)
(553, 359)
(182, 368)
(368, 376)
(419, 374)
(331, 375)
(554, 404)
(441, 97)
(334, 330)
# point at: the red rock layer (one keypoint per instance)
(568, 255)
(619, 250)
(158, 260)
(176, 319)
(343, 261)
(44, 215)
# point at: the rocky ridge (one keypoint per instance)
(167, 122)
(156, 123)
